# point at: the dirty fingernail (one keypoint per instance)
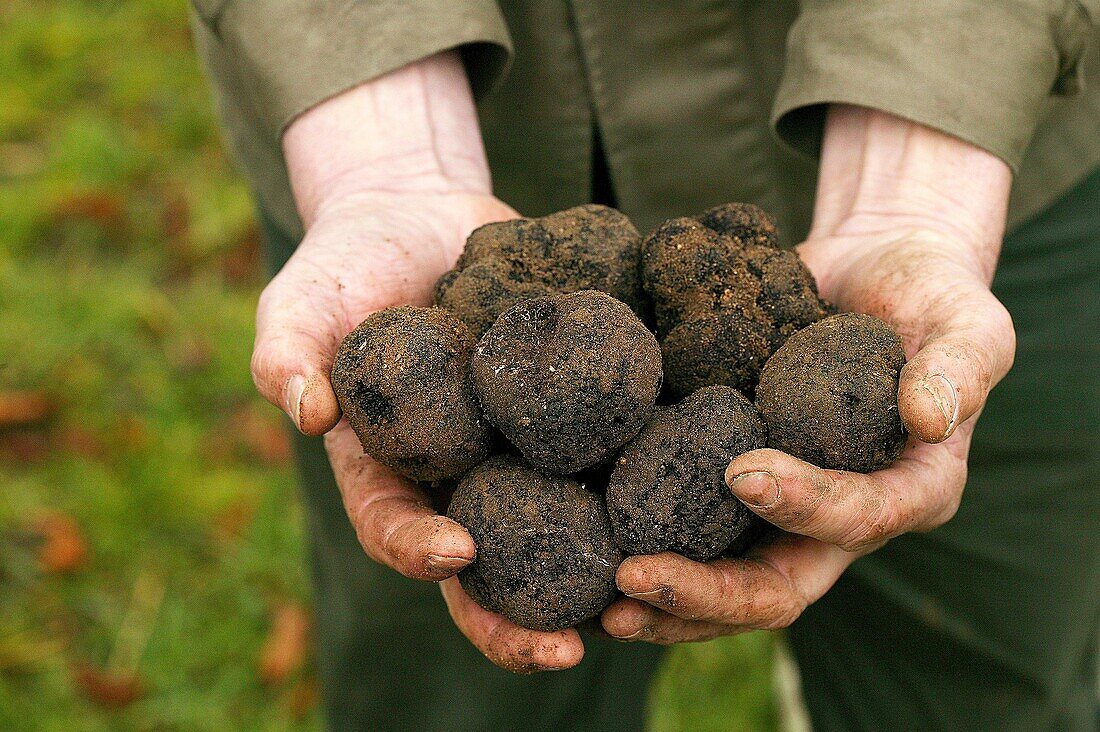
(627, 638)
(295, 390)
(758, 489)
(440, 564)
(946, 397)
(662, 595)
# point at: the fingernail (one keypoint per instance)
(662, 595)
(758, 489)
(440, 564)
(295, 390)
(946, 397)
(627, 638)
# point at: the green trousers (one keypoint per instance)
(988, 623)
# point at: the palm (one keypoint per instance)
(377, 252)
(959, 341)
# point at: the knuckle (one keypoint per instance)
(721, 602)
(781, 614)
(885, 520)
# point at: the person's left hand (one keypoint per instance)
(928, 278)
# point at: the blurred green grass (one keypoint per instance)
(129, 272)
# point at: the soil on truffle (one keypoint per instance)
(726, 297)
(545, 559)
(568, 379)
(748, 224)
(668, 489)
(589, 247)
(829, 395)
(403, 382)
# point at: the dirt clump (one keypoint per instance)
(545, 559)
(746, 223)
(668, 489)
(726, 296)
(588, 247)
(829, 395)
(402, 378)
(568, 379)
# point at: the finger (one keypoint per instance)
(947, 381)
(393, 518)
(852, 510)
(506, 644)
(767, 589)
(631, 620)
(296, 341)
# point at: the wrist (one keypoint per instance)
(412, 130)
(884, 175)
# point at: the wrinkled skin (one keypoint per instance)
(888, 250)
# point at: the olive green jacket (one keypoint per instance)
(695, 102)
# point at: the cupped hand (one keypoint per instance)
(368, 252)
(389, 179)
(959, 341)
(928, 277)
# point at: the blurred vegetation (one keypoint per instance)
(151, 554)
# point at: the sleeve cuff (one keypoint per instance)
(294, 54)
(978, 70)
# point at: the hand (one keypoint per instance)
(907, 227)
(390, 178)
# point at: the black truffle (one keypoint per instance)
(726, 298)
(588, 247)
(568, 379)
(545, 559)
(403, 382)
(830, 394)
(744, 222)
(668, 489)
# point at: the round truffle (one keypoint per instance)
(588, 247)
(829, 395)
(568, 379)
(545, 559)
(726, 298)
(746, 223)
(668, 490)
(402, 378)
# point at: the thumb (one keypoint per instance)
(969, 349)
(296, 341)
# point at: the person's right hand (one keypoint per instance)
(390, 178)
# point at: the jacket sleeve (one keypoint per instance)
(980, 70)
(294, 54)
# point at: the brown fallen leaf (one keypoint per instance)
(231, 522)
(192, 354)
(262, 435)
(78, 439)
(242, 264)
(64, 548)
(105, 208)
(287, 644)
(301, 698)
(131, 433)
(18, 408)
(110, 689)
(23, 446)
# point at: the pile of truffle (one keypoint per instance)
(586, 389)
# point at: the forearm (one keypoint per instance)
(883, 173)
(413, 129)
